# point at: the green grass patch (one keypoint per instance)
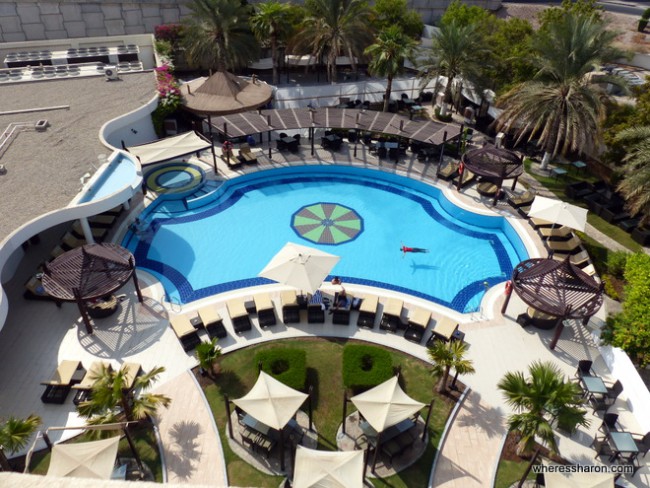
(288, 366)
(323, 357)
(510, 472)
(365, 366)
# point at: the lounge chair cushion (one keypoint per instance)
(64, 373)
(420, 317)
(263, 302)
(289, 298)
(131, 372)
(209, 315)
(92, 374)
(369, 304)
(181, 325)
(394, 307)
(445, 328)
(236, 308)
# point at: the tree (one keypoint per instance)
(551, 15)
(457, 50)
(635, 186)
(112, 400)
(272, 23)
(14, 434)
(335, 27)
(462, 14)
(562, 107)
(510, 63)
(217, 35)
(446, 356)
(541, 400)
(207, 353)
(396, 13)
(387, 55)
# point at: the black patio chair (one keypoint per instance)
(603, 448)
(584, 368)
(642, 443)
(609, 423)
(613, 392)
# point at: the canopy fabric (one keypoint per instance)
(386, 405)
(224, 93)
(579, 480)
(302, 267)
(559, 212)
(558, 288)
(327, 469)
(493, 162)
(85, 459)
(271, 402)
(170, 147)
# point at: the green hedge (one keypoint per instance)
(365, 366)
(630, 330)
(288, 366)
(643, 23)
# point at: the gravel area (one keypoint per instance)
(44, 168)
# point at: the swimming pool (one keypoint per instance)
(208, 243)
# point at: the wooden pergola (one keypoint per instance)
(88, 273)
(494, 164)
(557, 288)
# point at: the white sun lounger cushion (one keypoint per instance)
(92, 374)
(394, 307)
(209, 315)
(420, 317)
(288, 298)
(369, 304)
(236, 308)
(445, 327)
(131, 371)
(263, 301)
(64, 373)
(181, 325)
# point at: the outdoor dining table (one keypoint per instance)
(593, 385)
(290, 143)
(623, 445)
(258, 426)
(387, 434)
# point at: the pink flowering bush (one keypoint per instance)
(168, 32)
(169, 93)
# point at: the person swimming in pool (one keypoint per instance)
(406, 249)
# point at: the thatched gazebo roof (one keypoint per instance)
(224, 93)
(89, 272)
(558, 288)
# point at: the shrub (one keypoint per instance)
(286, 365)
(169, 93)
(646, 14)
(168, 32)
(643, 23)
(616, 263)
(610, 289)
(365, 366)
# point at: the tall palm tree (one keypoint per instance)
(334, 27)
(14, 434)
(541, 400)
(456, 50)
(218, 35)
(113, 400)
(636, 185)
(562, 107)
(271, 23)
(387, 55)
(446, 356)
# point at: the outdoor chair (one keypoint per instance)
(290, 308)
(539, 223)
(58, 386)
(613, 392)
(316, 309)
(212, 322)
(341, 309)
(241, 321)
(467, 178)
(614, 213)
(444, 330)
(265, 310)
(628, 225)
(185, 332)
(246, 155)
(609, 423)
(641, 235)
(131, 372)
(448, 171)
(561, 233)
(382, 152)
(368, 311)
(391, 449)
(102, 221)
(581, 259)
(526, 198)
(602, 448)
(99, 233)
(572, 245)
(84, 388)
(391, 318)
(70, 242)
(578, 190)
(418, 323)
(584, 368)
(642, 443)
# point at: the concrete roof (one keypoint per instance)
(44, 168)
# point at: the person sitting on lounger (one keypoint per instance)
(406, 249)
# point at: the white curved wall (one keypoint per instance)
(122, 128)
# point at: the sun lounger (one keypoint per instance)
(99, 234)
(59, 385)
(265, 310)
(467, 178)
(571, 246)
(418, 323)
(448, 171)
(34, 290)
(212, 322)
(391, 318)
(246, 155)
(131, 372)
(555, 233)
(537, 223)
(581, 259)
(185, 331)
(70, 242)
(102, 221)
(85, 387)
(443, 330)
(114, 212)
(518, 201)
(341, 309)
(316, 309)
(290, 308)
(241, 321)
(368, 311)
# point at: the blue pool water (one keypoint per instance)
(120, 172)
(226, 237)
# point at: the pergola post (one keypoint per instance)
(345, 409)
(214, 157)
(310, 407)
(559, 327)
(376, 455)
(227, 401)
(312, 140)
(88, 233)
(426, 422)
(210, 125)
(47, 440)
(496, 195)
(135, 281)
(134, 451)
(282, 449)
(442, 151)
(461, 137)
(514, 183)
(83, 311)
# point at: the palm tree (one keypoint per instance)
(207, 353)
(562, 107)
(446, 356)
(334, 27)
(636, 185)
(218, 35)
(391, 48)
(271, 23)
(541, 400)
(456, 50)
(112, 400)
(14, 434)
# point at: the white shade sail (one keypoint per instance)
(559, 212)
(386, 405)
(169, 148)
(302, 267)
(579, 480)
(271, 402)
(85, 459)
(327, 469)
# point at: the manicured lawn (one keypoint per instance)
(324, 360)
(510, 472)
(145, 442)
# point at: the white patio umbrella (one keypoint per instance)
(328, 469)
(559, 212)
(386, 405)
(299, 266)
(579, 480)
(84, 459)
(271, 402)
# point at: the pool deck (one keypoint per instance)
(37, 336)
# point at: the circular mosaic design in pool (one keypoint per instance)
(327, 223)
(174, 178)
